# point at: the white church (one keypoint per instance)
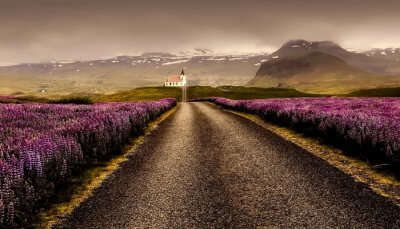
(176, 81)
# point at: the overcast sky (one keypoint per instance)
(43, 30)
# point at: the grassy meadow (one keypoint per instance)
(194, 92)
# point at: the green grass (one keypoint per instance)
(155, 93)
(141, 94)
(378, 92)
(231, 92)
(26, 99)
(197, 92)
(239, 92)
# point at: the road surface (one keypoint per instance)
(208, 168)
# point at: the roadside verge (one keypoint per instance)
(380, 181)
(83, 187)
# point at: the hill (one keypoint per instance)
(297, 48)
(204, 67)
(127, 72)
(367, 61)
(317, 72)
(388, 53)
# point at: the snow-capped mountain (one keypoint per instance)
(374, 61)
(325, 67)
(296, 48)
(203, 67)
(389, 53)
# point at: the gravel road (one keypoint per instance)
(208, 168)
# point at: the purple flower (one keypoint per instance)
(371, 124)
(41, 144)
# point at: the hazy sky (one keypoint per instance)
(43, 30)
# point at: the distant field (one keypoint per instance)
(231, 92)
(145, 93)
(378, 92)
(195, 92)
(237, 92)
(22, 99)
(155, 93)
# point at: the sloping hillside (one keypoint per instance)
(368, 61)
(317, 72)
(127, 72)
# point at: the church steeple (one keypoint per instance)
(182, 73)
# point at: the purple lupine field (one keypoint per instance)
(42, 144)
(367, 127)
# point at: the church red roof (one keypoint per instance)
(174, 79)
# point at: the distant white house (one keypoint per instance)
(176, 81)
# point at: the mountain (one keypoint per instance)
(205, 67)
(317, 72)
(126, 72)
(297, 48)
(364, 61)
(157, 54)
(389, 53)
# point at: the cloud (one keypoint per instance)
(43, 30)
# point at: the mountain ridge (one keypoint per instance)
(364, 60)
(318, 72)
(126, 72)
(204, 67)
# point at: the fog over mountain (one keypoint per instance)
(46, 30)
(325, 67)
(126, 72)
(314, 66)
